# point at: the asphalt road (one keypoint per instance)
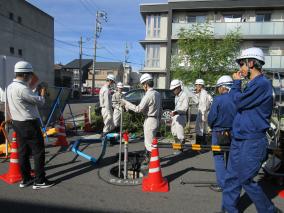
(80, 189)
(80, 106)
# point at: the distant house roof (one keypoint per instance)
(75, 64)
(57, 66)
(108, 65)
(98, 66)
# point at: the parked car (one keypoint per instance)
(96, 90)
(167, 96)
(125, 89)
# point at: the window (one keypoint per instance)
(12, 50)
(263, 17)
(157, 26)
(11, 16)
(20, 52)
(153, 26)
(153, 55)
(232, 18)
(196, 19)
(19, 19)
(148, 24)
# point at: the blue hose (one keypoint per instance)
(76, 150)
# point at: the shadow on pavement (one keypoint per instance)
(176, 175)
(79, 169)
(16, 207)
(271, 190)
(173, 159)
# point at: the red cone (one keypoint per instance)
(281, 194)
(61, 139)
(14, 173)
(87, 125)
(155, 182)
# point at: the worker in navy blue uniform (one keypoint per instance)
(220, 120)
(249, 143)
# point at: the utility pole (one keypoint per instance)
(126, 73)
(98, 30)
(80, 67)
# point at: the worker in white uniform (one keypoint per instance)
(106, 105)
(150, 106)
(204, 101)
(116, 97)
(179, 113)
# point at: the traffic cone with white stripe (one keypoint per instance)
(155, 182)
(61, 139)
(14, 173)
(87, 125)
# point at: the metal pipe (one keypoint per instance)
(125, 156)
(73, 118)
(90, 119)
(182, 181)
(120, 142)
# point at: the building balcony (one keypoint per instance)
(274, 62)
(247, 29)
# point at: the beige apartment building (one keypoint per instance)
(260, 22)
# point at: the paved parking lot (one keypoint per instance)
(79, 188)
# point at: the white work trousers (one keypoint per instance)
(201, 125)
(108, 121)
(178, 124)
(151, 125)
(116, 117)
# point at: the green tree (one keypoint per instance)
(204, 56)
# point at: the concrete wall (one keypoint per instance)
(34, 36)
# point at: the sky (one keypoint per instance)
(75, 18)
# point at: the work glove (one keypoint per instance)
(122, 102)
(109, 117)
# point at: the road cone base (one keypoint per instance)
(281, 194)
(154, 187)
(60, 143)
(10, 179)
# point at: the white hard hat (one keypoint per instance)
(175, 83)
(145, 77)
(119, 85)
(110, 77)
(199, 81)
(23, 66)
(224, 80)
(252, 52)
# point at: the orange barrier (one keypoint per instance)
(155, 182)
(87, 125)
(5, 148)
(14, 174)
(61, 139)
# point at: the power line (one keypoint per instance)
(86, 7)
(91, 5)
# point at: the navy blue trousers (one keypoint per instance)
(245, 159)
(220, 165)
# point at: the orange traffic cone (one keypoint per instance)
(87, 125)
(281, 194)
(155, 182)
(14, 173)
(61, 139)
